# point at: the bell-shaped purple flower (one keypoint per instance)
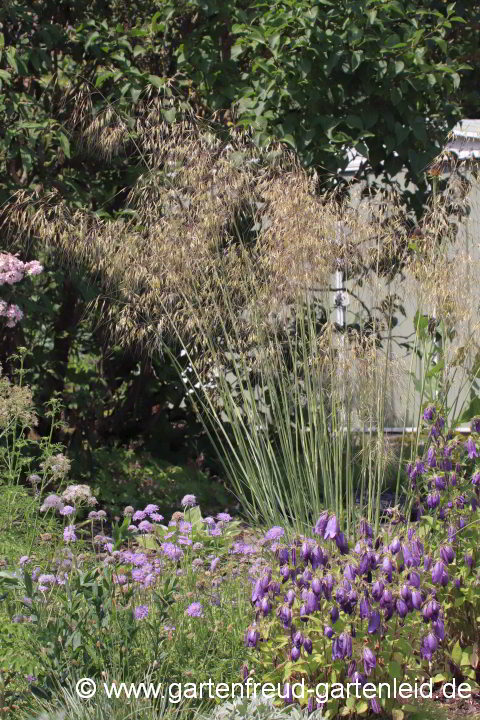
(414, 579)
(433, 500)
(429, 413)
(290, 597)
(431, 610)
(437, 572)
(439, 629)
(252, 637)
(305, 551)
(417, 599)
(447, 554)
(318, 557)
(285, 615)
(298, 638)
(342, 647)
(328, 631)
(283, 555)
(332, 528)
(258, 592)
(374, 622)
(476, 479)
(285, 573)
(369, 661)
(295, 653)
(468, 557)
(376, 707)
(303, 613)
(334, 614)
(395, 546)
(365, 529)
(307, 576)
(431, 457)
(364, 608)
(429, 645)
(327, 584)
(317, 586)
(359, 677)
(427, 563)
(341, 543)
(265, 606)
(350, 573)
(440, 482)
(406, 593)
(387, 598)
(401, 608)
(377, 590)
(287, 696)
(308, 646)
(311, 603)
(387, 568)
(471, 448)
(321, 524)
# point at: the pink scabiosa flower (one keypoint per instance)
(274, 533)
(69, 534)
(67, 510)
(140, 612)
(151, 508)
(188, 501)
(145, 526)
(139, 515)
(24, 560)
(195, 610)
(156, 517)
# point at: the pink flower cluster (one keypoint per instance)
(11, 312)
(12, 271)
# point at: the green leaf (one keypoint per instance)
(395, 670)
(290, 140)
(457, 653)
(64, 144)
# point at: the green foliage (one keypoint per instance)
(380, 77)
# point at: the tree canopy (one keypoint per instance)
(385, 77)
